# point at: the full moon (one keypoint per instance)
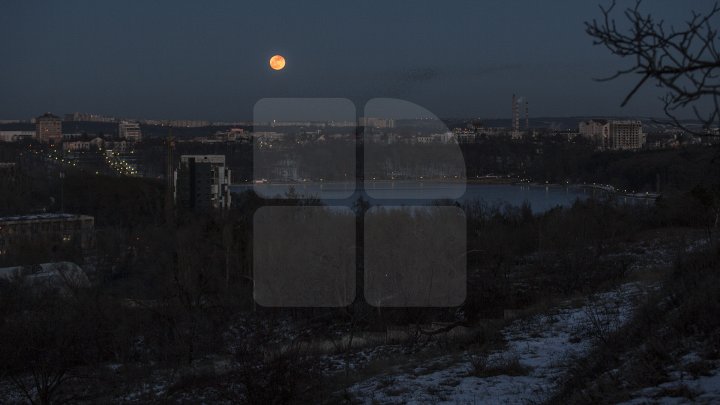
(277, 62)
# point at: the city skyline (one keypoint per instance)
(78, 116)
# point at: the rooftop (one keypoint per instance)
(49, 115)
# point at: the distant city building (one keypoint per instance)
(516, 133)
(626, 135)
(120, 146)
(189, 123)
(424, 139)
(48, 129)
(341, 124)
(89, 117)
(75, 146)
(97, 142)
(73, 136)
(376, 122)
(231, 135)
(231, 123)
(274, 123)
(465, 135)
(266, 139)
(234, 133)
(59, 229)
(202, 182)
(595, 130)
(446, 137)
(16, 136)
(130, 131)
(177, 123)
(667, 142)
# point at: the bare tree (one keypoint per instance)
(684, 60)
(43, 346)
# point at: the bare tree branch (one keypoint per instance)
(683, 61)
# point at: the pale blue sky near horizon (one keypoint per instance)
(186, 59)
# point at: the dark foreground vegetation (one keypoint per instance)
(680, 319)
(169, 313)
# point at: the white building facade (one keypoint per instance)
(130, 131)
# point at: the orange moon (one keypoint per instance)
(277, 62)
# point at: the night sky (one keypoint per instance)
(192, 59)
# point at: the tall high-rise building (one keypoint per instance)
(130, 131)
(515, 122)
(48, 129)
(626, 135)
(202, 182)
(596, 130)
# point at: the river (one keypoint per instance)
(541, 197)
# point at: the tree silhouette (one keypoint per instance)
(684, 60)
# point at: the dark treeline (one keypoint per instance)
(552, 161)
(559, 161)
(170, 293)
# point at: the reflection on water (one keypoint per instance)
(541, 198)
